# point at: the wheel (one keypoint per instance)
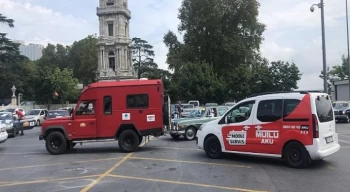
(296, 155)
(190, 133)
(56, 143)
(128, 141)
(14, 133)
(38, 122)
(175, 136)
(212, 148)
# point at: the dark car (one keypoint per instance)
(57, 114)
(342, 111)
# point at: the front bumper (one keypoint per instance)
(174, 132)
(341, 117)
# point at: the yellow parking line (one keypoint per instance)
(184, 183)
(192, 162)
(56, 164)
(106, 173)
(45, 180)
(179, 148)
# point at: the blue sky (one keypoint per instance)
(293, 32)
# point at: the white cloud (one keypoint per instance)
(37, 24)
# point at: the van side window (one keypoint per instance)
(240, 113)
(137, 101)
(289, 106)
(107, 105)
(85, 108)
(269, 110)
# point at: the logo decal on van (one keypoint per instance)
(267, 136)
(237, 137)
(151, 118)
(125, 116)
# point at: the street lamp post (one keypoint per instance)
(347, 35)
(321, 6)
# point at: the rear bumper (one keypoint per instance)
(316, 153)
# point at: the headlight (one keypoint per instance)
(344, 112)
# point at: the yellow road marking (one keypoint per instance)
(45, 180)
(106, 173)
(184, 183)
(187, 149)
(193, 162)
(56, 164)
(112, 168)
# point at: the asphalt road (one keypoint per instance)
(161, 165)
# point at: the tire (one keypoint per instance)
(296, 155)
(128, 141)
(175, 136)
(56, 143)
(212, 148)
(14, 133)
(190, 133)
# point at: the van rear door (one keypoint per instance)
(323, 120)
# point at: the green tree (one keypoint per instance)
(142, 56)
(11, 62)
(284, 76)
(83, 59)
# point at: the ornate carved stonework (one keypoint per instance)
(114, 57)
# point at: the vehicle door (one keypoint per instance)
(237, 125)
(108, 122)
(268, 125)
(85, 120)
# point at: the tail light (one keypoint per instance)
(315, 127)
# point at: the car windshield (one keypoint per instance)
(5, 116)
(33, 112)
(340, 105)
(10, 110)
(196, 113)
(187, 106)
(53, 114)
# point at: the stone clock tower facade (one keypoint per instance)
(114, 56)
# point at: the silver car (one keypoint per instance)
(38, 115)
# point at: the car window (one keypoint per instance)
(107, 103)
(85, 108)
(289, 106)
(240, 113)
(324, 108)
(269, 110)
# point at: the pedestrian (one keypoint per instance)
(179, 109)
(20, 117)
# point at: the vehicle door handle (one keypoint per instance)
(91, 123)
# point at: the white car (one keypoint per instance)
(3, 133)
(38, 115)
(298, 127)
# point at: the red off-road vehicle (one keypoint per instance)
(119, 110)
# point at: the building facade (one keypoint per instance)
(32, 51)
(114, 56)
(340, 90)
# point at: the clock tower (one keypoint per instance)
(115, 55)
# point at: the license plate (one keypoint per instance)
(32, 123)
(329, 139)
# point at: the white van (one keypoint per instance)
(296, 126)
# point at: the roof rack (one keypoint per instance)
(277, 92)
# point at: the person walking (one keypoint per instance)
(20, 117)
(179, 109)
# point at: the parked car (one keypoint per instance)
(188, 127)
(57, 114)
(38, 115)
(342, 111)
(3, 133)
(211, 104)
(230, 104)
(195, 103)
(298, 127)
(13, 126)
(13, 111)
